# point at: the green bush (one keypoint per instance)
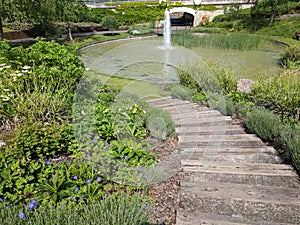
(181, 92)
(226, 107)
(291, 138)
(159, 123)
(263, 123)
(279, 93)
(37, 82)
(291, 57)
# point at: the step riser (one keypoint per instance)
(249, 179)
(212, 132)
(261, 211)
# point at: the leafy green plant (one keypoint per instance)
(159, 123)
(181, 92)
(226, 107)
(291, 57)
(279, 93)
(263, 123)
(291, 138)
(114, 210)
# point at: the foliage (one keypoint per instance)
(279, 93)
(291, 138)
(114, 210)
(181, 92)
(237, 41)
(291, 57)
(263, 123)
(128, 13)
(159, 123)
(37, 82)
(226, 107)
(120, 123)
(269, 8)
(110, 22)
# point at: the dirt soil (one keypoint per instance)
(166, 194)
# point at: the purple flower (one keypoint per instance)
(144, 206)
(98, 179)
(105, 196)
(76, 190)
(73, 197)
(82, 196)
(95, 140)
(75, 177)
(122, 159)
(22, 215)
(89, 181)
(32, 204)
(127, 157)
(7, 205)
(1, 200)
(54, 156)
(48, 162)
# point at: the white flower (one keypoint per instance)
(26, 67)
(7, 67)
(19, 74)
(5, 99)
(6, 89)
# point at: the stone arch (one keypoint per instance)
(188, 17)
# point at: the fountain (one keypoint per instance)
(167, 30)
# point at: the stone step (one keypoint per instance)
(232, 157)
(190, 114)
(219, 141)
(210, 129)
(230, 150)
(195, 217)
(212, 137)
(266, 204)
(194, 122)
(159, 100)
(280, 175)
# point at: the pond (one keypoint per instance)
(147, 59)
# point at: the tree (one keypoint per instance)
(269, 8)
(110, 22)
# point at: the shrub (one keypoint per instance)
(279, 93)
(291, 57)
(159, 123)
(226, 107)
(291, 138)
(181, 92)
(263, 123)
(114, 210)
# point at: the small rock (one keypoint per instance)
(244, 85)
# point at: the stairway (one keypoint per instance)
(228, 176)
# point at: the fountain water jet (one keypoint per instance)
(167, 30)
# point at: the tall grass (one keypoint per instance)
(237, 41)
